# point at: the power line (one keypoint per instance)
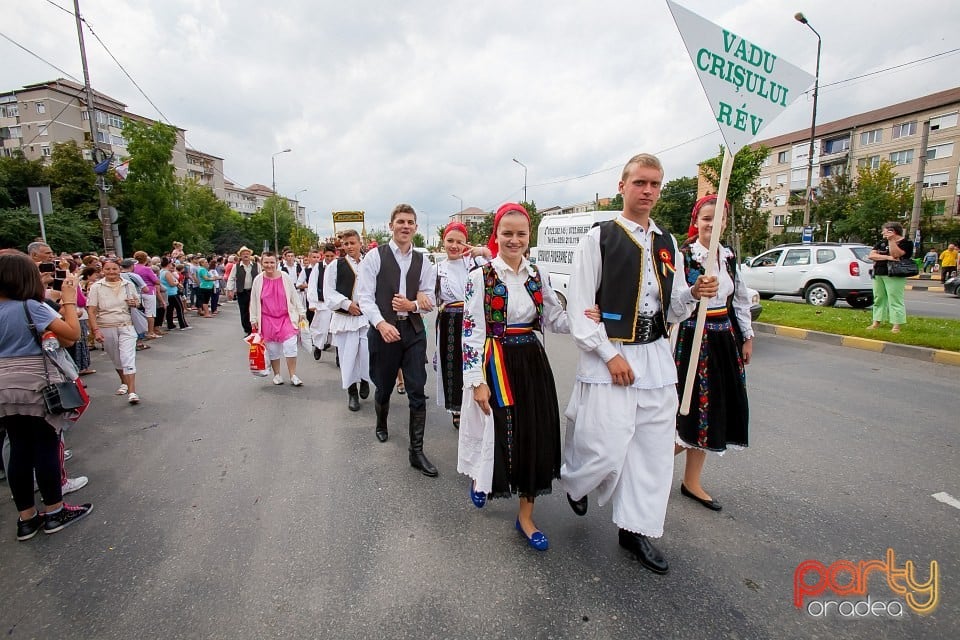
(896, 66)
(38, 57)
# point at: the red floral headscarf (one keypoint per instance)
(692, 231)
(502, 211)
(455, 226)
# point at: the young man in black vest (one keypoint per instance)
(391, 277)
(621, 432)
(322, 314)
(240, 282)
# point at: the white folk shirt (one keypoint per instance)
(336, 300)
(653, 364)
(520, 310)
(367, 280)
(452, 278)
(741, 300)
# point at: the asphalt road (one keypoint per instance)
(931, 304)
(226, 507)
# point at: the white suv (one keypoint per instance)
(820, 272)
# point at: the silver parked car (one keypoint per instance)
(820, 272)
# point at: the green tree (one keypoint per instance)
(16, 174)
(67, 230)
(531, 208)
(835, 201)
(743, 193)
(878, 200)
(419, 240)
(616, 202)
(72, 180)
(153, 221)
(673, 209)
(479, 234)
(260, 225)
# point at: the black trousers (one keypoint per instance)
(409, 354)
(175, 305)
(243, 301)
(34, 447)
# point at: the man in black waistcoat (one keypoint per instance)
(240, 282)
(391, 277)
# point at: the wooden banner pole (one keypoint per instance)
(711, 270)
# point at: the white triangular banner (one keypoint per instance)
(747, 85)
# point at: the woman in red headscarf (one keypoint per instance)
(451, 284)
(719, 412)
(509, 440)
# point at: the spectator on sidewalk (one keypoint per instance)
(948, 262)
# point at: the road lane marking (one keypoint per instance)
(946, 498)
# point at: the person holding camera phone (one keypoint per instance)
(34, 434)
(888, 303)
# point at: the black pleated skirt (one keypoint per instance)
(449, 333)
(527, 435)
(719, 412)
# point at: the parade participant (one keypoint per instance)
(719, 413)
(322, 314)
(391, 277)
(451, 281)
(241, 282)
(622, 412)
(303, 282)
(348, 327)
(275, 313)
(506, 301)
(109, 302)
(34, 434)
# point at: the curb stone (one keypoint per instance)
(940, 356)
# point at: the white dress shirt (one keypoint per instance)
(370, 269)
(653, 365)
(336, 300)
(520, 310)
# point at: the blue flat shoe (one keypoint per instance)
(538, 541)
(479, 498)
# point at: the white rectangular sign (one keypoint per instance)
(747, 85)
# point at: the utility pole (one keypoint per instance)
(106, 224)
(918, 186)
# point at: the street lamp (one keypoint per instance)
(273, 166)
(524, 179)
(461, 203)
(813, 124)
(296, 204)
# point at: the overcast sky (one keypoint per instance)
(414, 101)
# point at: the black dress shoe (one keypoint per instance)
(709, 504)
(579, 506)
(353, 403)
(364, 389)
(317, 353)
(644, 551)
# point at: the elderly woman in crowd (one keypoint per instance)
(108, 304)
(34, 434)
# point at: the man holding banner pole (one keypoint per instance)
(622, 412)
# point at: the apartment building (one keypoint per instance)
(892, 133)
(37, 116)
(470, 217)
(207, 170)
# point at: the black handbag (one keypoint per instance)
(58, 397)
(903, 268)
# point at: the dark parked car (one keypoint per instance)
(952, 286)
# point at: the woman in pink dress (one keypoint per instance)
(276, 313)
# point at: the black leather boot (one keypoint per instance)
(418, 420)
(382, 411)
(353, 399)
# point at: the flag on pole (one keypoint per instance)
(122, 170)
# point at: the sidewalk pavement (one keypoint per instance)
(940, 356)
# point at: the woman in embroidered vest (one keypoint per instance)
(719, 413)
(509, 440)
(451, 283)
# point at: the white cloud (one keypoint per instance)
(385, 102)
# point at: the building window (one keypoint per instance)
(944, 121)
(871, 137)
(902, 157)
(783, 157)
(41, 108)
(872, 162)
(103, 137)
(936, 179)
(11, 111)
(118, 141)
(114, 121)
(16, 132)
(904, 129)
(780, 200)
(940, 151)
(938, 207)
(43, 129)
(778, 220)
(798, 175)
(767, 161)
(830, 170)
(781, 179)
(45, 150)
(901, 181)
(836, 145)
(765, 182)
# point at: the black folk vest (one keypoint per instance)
(320, 267)
(388, 285)
(240, 275)
(621, 278)
(346, 281)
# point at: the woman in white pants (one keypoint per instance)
(108, 304)
(275, 313)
